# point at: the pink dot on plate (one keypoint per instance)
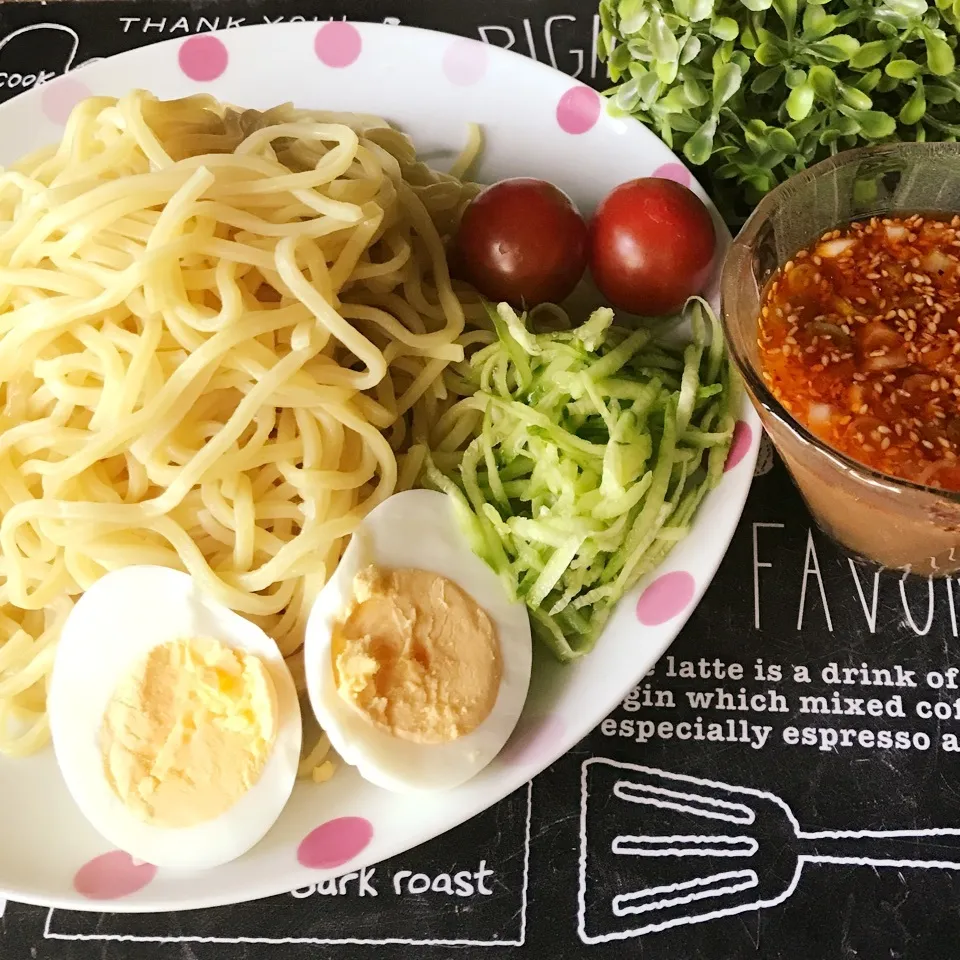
(534, 742)
(674, 171)
(112, 875)
(334, 843)
(665, 598)
(742, 438)
(60, 96)
(578, 110)
(338, 43)
(203, 58)
(465, 62)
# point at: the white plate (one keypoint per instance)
(536, 122)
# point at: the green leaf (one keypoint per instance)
(800, 102)
(667, 71)
(675, 101)
(726, 82)
(766, 80)
(940, 57)
(632, 25)
(817, 23)
(869, 81)
(728, 171)
(666, 133)
(755, 135)
(865, 191)
(939, 95)
(648, 88)
(608, 19)
(695, 91)
(913, 110)
(684, 122)
(633, 15)
(663, 43)
(787, 11)
(748, 38)
(849, 44)
(902, 69)
(724, 28)
(854, 97)
(913, 9)
(875, 124)
(781, 140)
(700, 10)
(619, 60)
(757, 5)
(824, 81)
(869, 54)
(846, 126)
(771, 159)
(699, 147)
(836, 49)
(769, 54)
(721, 55)
(627, 97)
(795, 78)
(604, 45)
(690, 49)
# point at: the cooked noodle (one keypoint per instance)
(222, 334)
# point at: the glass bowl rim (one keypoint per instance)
(743, 244)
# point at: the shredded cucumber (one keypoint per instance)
(596, 447)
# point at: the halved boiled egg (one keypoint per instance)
(175, 721)
(417, 661)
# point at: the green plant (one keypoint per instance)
(755, 90)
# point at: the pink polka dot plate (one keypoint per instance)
(536, 122)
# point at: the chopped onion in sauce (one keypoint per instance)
(870, 356)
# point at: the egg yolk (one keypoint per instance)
(416, 655)
(188, 731)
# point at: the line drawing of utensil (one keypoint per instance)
(761, 830)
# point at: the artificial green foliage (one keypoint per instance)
(756, 90)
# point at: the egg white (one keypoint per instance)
(416, 529)
(112, 627)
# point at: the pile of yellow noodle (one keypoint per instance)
(222, 335)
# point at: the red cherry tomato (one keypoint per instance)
(522, 241)
(651, 246)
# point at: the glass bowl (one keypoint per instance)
(895, 523)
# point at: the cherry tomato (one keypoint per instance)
(522, 241)
(651, 246)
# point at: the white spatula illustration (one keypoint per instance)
(715, 850)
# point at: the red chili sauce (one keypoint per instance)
(860, 342)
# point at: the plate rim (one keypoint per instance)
(514, 781)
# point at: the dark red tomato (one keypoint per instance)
(522, 241)
(651, 246)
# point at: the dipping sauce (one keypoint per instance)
(859, 339)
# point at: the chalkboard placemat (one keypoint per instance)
(784, 785)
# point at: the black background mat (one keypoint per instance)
(746, 739)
